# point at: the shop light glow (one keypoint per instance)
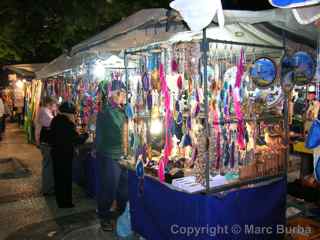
(156, 126)
(19, 84)
(99, 70)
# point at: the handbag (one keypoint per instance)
(313, 138)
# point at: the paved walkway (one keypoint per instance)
(24, 212)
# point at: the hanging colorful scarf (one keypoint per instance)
(237, 104)
(145, 82)
(217, 134)
(218, 149)
(149, 100)
(168, 116)
(174, 66)
(179, 83)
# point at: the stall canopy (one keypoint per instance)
(25, 70)
(159, 25)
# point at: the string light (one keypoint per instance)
(99, 71)
(156, 127)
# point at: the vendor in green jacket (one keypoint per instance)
(112, 178)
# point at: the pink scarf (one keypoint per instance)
(168, 116)
(237, 105)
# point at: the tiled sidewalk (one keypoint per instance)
(24, 212)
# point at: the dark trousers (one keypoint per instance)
(3, 124)
(113, 185)
(62, 173)
(47, 169)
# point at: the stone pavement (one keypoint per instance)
(24, 212)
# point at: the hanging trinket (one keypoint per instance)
(179, 82)
(218, 150)
(140, 175)
(186, 140)
(225, 148)
(232, 150)
(140, 168)
(196, 108)
(145, 82)
(144, 153)
(174, 65)
(188, 123)
(149, 100)
(155, 80)
(129, 110)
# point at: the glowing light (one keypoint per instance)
(156, 127)
(99, 71)
(19, 84)
(60, 100)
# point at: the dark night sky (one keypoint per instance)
(246, 4)
(39, 31)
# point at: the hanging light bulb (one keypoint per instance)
(156, 126)
(99, 71)
(19, 84)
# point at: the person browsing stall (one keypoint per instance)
(63, 138)
(2, 116)
(113, 185)
(45, 116)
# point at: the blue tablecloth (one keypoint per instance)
(161, 213)
(85, 171)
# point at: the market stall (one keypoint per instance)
(199, 136)
(25, 93)
(208, 114)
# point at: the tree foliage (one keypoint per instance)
(40, 30)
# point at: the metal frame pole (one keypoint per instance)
(204, 49)
(286, 116)
(127, 93)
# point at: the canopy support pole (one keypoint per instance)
(204, 49)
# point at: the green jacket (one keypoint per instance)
(109, 131)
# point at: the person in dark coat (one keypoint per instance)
(63, 138)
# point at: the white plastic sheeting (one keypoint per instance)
(199, 14)
(152, 26)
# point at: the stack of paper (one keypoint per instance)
(190, 185)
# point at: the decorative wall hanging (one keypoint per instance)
(263, 72)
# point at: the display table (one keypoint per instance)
(161, 213)
(85, 169)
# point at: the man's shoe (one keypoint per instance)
(106, 225)
(71, 205)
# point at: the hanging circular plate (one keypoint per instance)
(274, 97)
(304, 67)
(263, 72)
